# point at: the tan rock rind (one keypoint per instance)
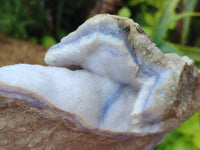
(23, 126)
(187, 98)
(189, 91)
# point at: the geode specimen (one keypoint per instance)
(109, 85)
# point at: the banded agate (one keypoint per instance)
(120, 84)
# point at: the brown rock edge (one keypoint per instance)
(23, 126)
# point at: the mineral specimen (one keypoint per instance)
(121, 86)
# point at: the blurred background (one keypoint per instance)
(174, 25)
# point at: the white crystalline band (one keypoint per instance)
(94, 53)
(89, 96)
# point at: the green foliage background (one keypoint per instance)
(41, 21)
(47, 21)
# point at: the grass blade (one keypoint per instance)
(167, 47)
(192, 52)
(158, 34)
(189, 6)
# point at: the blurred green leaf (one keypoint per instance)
(154, 3)
(168, 10)
(48, 41)
(182, 144)
(189, 6)
(135, 2)
(197, 64)
(124, 12)
(58, 15)
(150, 19)
(197, 44)
(192, 52)
(159, 32)
(183, 137)
(61, 33)
(190, 126)
(33, 40)
(168, 141)
(147, 29)
(196, 139)
(167, 47)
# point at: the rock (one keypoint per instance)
(122, 93)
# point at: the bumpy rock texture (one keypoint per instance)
(123, 94)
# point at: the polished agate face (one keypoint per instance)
(124, 84)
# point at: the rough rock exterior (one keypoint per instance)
(24, 126)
